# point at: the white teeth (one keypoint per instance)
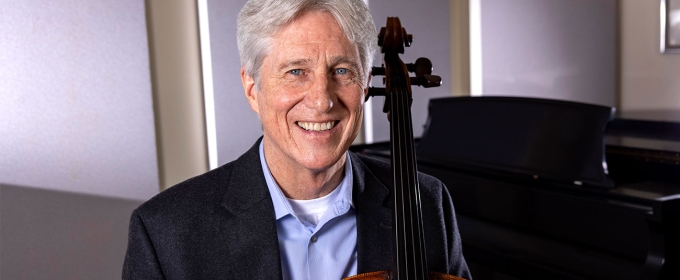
(316, 126)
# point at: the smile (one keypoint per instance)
(310, 126)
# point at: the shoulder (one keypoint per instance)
(192, 195)
(202, 193)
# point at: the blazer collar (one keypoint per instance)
(247, 198)
(247, 186)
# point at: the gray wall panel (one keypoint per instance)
(76, 110)
(56, 235)
(552, 49)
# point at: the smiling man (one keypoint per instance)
(297, 205)
(309, 97)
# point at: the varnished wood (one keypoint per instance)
(385, 275)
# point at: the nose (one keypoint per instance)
(320, 96)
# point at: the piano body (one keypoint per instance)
(548, 189)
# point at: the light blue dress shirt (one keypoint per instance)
(325, 251)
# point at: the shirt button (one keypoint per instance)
(314, 238)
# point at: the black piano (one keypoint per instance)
(548, 189)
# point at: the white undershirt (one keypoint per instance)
(312, 210)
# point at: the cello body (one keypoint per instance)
(384, 275)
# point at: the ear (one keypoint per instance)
(250, 90)
(368, 84)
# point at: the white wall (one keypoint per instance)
(649, 79)
(563, 49)
(76, 111)
(237, 126)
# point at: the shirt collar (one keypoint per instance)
(282, 206)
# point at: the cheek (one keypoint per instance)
(358, 117)
(355, 106)
(356, 103)
(276, 102)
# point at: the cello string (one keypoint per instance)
(409, 187)
(407, 177)
(405, 185)
(416, 195)
(412, 188)
(409, 171)
(407, 198)
(401, 269)
(408, 266)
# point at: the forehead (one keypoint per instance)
(313, 25)
(310, 32)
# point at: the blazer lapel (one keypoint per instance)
(374, 219)
(257, 253)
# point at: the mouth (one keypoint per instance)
(317, 126)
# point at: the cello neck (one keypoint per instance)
(409, 260)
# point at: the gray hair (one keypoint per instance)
(259, 20)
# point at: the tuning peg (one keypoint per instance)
(426, 81)
(408, 38)
(421, 67)
(372, 91)
(378, 71)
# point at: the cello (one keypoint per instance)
(409, 259)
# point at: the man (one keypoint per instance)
(297, 205)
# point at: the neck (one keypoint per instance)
(301, 183)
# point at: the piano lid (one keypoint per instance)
(556, 140)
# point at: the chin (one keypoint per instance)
(321, 163)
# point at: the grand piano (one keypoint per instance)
(548, 189)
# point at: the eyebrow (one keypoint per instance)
(295, 62)
(343, 59)
(333, 61)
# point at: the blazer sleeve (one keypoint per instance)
(140, 260)
(455, 247)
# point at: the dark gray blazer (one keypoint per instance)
(221, 225)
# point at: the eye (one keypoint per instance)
(295, 72)
(341, 71)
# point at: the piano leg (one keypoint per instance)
(656, 254)
(663, 257)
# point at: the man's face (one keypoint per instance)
(311, 94)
